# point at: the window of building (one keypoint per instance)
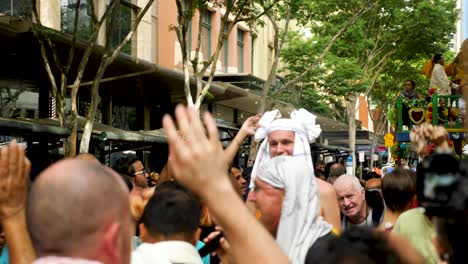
(122, 22)
(154, 35)
(67, 21)
(240, 50)
(224, 54)
(223, 114)
(206, 34)
(20, 9)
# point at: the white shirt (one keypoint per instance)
(167, 252)
(440, 80)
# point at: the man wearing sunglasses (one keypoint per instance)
(137, 172)
(134, 169)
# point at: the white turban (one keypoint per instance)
(300, 222)
(301, 122)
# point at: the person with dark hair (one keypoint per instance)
(360, 245)
(336, 170)
(169, 227)
(137, 171)
(409, 91)
(399, 192)
(326, 170)
(319, 174)
(236, 174)
(320, 165)
(439, 78)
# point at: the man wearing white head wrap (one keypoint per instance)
(292, 137)
(295, 219)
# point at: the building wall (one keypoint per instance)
(167, 41)
(263, 51)
(169, 53)
(144, 33)
(464, 19)
(458, 37)
(363, 113)
(49, 12)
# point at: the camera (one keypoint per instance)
(442, 185)
(442, 189)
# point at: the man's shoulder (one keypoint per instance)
(325, 188)
(166, 252)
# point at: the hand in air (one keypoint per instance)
(14, 179)
(250, 125)
(196, 159)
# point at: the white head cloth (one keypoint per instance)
(301, 122)
(300, 223)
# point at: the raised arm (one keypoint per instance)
(14, 179)
(197, 161)
(248, 129)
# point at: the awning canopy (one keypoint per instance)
(50, 127)
(146, 82)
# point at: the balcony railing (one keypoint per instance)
(439, 110)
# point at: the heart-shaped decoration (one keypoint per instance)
(416, 114)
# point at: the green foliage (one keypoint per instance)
(386, 46)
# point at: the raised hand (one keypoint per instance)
(196, 159)
(250, 125)
(14, 179)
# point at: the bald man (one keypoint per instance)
(352, 202)
(336, 170)
(79, 210)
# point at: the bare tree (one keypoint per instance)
(235, 11)
(59, 86)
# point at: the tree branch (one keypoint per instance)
(181, 33)
(353, 20)
(92, 11)
(278, 45)
(73, 44)
(106, 60)
(110, 26)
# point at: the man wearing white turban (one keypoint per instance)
(286, 195)
(292, 137)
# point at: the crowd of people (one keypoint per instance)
(80, 211)
(201, 208)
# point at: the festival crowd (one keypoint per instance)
(201, 209)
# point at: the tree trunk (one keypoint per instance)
(106, 60)
(88, 128)
(380, 123)
(351, 109)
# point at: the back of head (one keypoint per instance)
(436, 58)
(86, 156)
(69, 205)
(124, 164)
(172, 210)
(399, 189)
(337, 170)
(357, 245)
